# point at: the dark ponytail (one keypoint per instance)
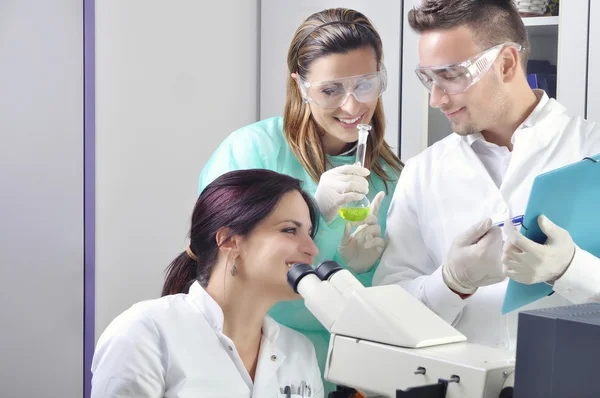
(180, 272)
(238, 200)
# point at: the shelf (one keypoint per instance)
(541, 26)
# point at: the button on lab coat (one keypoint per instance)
(174, 347)
(446, 189)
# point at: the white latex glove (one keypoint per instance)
(474, 258)
(529, 262)
(339, 186)
(361, 249)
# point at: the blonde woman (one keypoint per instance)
(336, 79)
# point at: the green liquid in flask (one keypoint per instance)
(354, 213)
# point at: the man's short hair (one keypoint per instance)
(492, 22)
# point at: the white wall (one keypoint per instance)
(593, 78)
(41, 196)
(571, 84)
(173, 79)
(414, 112)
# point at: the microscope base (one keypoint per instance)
(381, 370)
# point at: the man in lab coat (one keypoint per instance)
(442, 246)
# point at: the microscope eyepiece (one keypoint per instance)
(326, 269)
(296, 273)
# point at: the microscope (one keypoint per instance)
(386, 343)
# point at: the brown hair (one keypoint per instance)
(345, 30)
(492, 22)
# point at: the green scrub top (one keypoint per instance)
(262, 145)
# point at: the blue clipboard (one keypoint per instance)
(570, 197)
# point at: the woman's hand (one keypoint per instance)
(339, 186)
(361, 249)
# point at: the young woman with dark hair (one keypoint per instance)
(210, 335)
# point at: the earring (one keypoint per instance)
(233, 269)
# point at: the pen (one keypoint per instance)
(287, 391)
(516, 221)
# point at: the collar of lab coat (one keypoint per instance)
(270, 356)
(214, 314)
(541, 110)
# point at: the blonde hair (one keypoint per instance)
(328, 32)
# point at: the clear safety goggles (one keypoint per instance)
(335, 93)
(458, 78)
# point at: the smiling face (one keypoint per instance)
(339, 124)
(281, 239)
(483, 104)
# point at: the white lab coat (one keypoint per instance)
(174, 347)
(446, 189)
